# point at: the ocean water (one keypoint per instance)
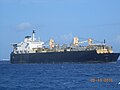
(59, 76)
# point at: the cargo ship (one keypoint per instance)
(32, 50)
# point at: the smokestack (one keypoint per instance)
(33, 35)
(104, 41)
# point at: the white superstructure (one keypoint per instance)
(29, 45)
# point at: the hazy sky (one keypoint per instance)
(59, 19)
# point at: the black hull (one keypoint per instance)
(64, 57)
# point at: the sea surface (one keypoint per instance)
(60, 76)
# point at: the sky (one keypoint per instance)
(59, 19)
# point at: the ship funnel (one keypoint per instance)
(104, 41)
(51, 43)
(33, 35)
(75, 41)
(90, 41)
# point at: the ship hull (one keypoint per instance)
(64, 57)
